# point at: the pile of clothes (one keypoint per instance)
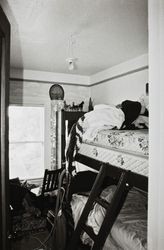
(28, 211)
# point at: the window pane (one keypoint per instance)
(26, 160)
(26, 142)
(26, 124)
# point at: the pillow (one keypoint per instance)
(144, 100)
(141, 122)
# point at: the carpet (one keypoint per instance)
(25, 224)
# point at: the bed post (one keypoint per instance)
(56, 93)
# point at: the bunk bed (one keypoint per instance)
(123, 155)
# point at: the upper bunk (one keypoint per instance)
(98, 138)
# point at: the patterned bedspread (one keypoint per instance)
(129, 140)
(129, 231)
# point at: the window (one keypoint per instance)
(26, 142)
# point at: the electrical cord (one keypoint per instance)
(41, 243)
(45, 240)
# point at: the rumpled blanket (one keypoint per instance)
(98, 119)
(88, 126)
(129, 231)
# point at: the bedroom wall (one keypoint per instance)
(25, 92)
(124, 81)
(27, 85)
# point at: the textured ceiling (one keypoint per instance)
(104, 33)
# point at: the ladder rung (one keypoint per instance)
(50, 221)
(51, 213)
(102, 202)
(89, 231)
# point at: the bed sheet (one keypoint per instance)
(129, 231)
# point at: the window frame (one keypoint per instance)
(45, 144)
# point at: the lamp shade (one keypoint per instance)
(56, 92)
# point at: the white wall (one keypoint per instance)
(115, 91)
(125, 81)
(25, 92)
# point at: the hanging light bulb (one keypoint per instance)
(71, 60)
(71, 63)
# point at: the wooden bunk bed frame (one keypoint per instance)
(126, 179)
(134, 179)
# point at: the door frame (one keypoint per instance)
(4, 160)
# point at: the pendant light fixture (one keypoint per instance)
(71, 60)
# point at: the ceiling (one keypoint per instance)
(102, 33)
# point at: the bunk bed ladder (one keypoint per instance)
(112, 209)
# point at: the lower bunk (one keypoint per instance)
(130, 228)
(114, 217)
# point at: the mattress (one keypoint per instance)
(134, 162)
(135, 141)
(129, 231)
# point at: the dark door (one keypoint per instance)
(4, 165)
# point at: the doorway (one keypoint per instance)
(4, 96)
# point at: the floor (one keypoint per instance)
(38, 241)
(34, 241)
(30, 232)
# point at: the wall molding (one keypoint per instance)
(126, 68)
(47, 77)
(82, 85)
(47, 82)
(119, 75)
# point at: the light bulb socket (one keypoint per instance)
(71, 66)
(71, 63)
